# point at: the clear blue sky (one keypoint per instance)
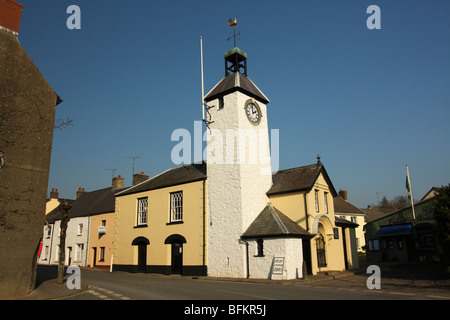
(368, 101)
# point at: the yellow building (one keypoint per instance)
(160, 224)
(305, 194)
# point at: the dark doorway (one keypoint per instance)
(177, 258)
(306, 244)
(142, 244)
(95, 257)
(176, 241)
(321, 255)
(142, 257)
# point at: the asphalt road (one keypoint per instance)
(126, 286)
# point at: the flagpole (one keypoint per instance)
(408, 187)
(203, 86)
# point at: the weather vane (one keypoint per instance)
(233, 24)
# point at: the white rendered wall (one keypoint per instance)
(236, 188)
(288, 248)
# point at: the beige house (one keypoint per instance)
(345, 210)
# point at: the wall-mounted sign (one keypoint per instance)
(278, 265)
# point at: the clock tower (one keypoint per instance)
(238, 165)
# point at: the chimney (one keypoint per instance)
(54, 194)
(343, 194)
(10, 14)
(80, 192)
(118, 183)
(139, 177)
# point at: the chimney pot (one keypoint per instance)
(54, 194)
(118, 183)
(10, 14)
(80, 192)
(343, 194)
(139, 177)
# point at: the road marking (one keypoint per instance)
(106, 291)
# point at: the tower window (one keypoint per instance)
(220, 103)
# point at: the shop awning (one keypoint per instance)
(395, 230)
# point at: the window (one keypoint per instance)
(49, 231)
(79, 253)
(80, 229)
(326, 201)
(220, 103)
(336, 233)
(176, 206)
(102, 254)
(260, 248)
(142, 211)
(316, 193)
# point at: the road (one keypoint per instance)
(126, 286)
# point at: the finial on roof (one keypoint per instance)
(318, 159)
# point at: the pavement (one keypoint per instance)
(403, 276)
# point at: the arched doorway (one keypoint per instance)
(176, 241)
(321, 253)
(142, 244)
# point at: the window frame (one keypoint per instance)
(316, 199)
(176, 207)
(142, 212)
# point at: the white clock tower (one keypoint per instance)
(238, 165)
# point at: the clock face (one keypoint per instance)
(253, 112)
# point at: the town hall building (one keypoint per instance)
(229, 216)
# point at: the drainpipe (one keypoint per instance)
(246, 250)
(204, 228)
(306, 213)
(87, 241)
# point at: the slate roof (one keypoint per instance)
(345, 223)
(90, 203)
(174, 176)
(271, 222)
(236, 82)
(343, 206)
(299, 179)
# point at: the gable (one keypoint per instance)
(300, 179)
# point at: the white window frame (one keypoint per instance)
(176, 206)
(79, 253)
(316, 197)
(80, 229)
(142, 211)
(326, 201)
